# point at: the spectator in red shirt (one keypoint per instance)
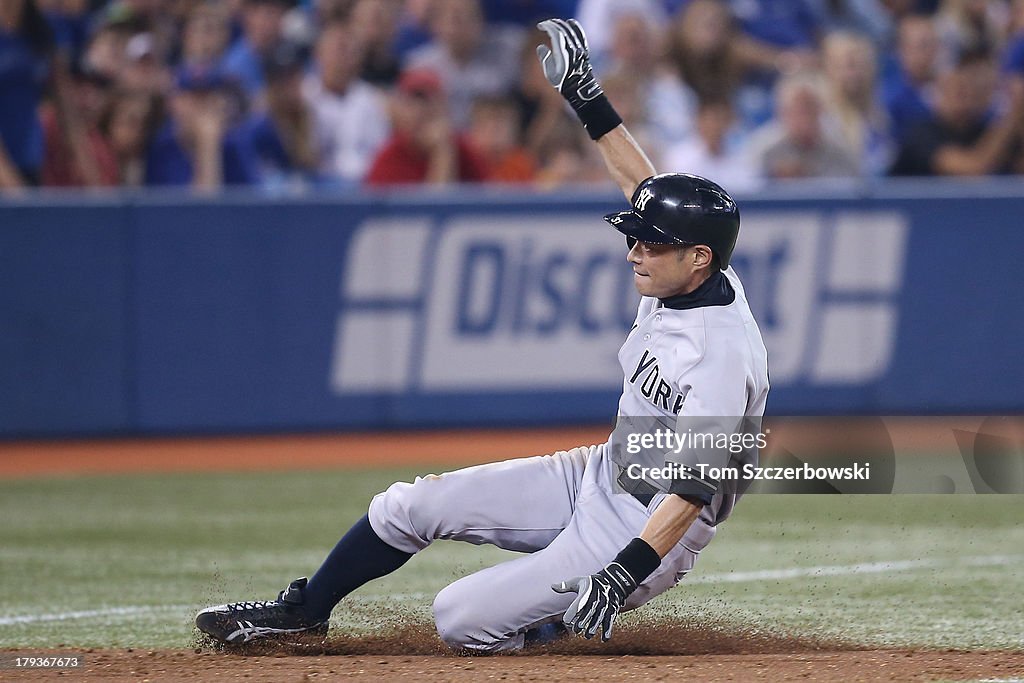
(494, 133)
(423, 147)
(76, 154)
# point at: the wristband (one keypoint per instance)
(598, 116)
(639, 559)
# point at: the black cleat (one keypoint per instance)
(242, 622)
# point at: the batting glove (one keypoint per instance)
(600, 596)
(567, 67)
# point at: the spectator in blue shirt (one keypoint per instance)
(25, 44)
(964, 137)
(867, 17)
(199, 146)
(787, 24)
(282, 137)
(261, 32)
(69, 23)
(527, 12)
(907, 88)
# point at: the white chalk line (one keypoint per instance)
(91, 614)
(730, 577)
(850, 569)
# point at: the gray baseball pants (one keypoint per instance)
(559, 508)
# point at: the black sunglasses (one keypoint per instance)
(631, 242)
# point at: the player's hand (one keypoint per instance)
(599, 598)
(566, 63)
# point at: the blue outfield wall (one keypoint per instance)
(162, 315)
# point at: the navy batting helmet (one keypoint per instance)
(678, 208)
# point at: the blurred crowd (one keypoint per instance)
(296, 94)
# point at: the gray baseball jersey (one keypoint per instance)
(694, 369)
(565, 509)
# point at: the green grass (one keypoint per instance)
(161, 547)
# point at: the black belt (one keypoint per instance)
(643, 491)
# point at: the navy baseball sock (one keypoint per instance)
(360, 556)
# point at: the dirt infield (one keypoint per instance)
(261, 453)
(691, 656)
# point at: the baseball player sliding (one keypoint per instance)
(596, 542)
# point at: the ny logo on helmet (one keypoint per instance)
(645, 196)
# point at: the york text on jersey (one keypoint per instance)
(654, 387)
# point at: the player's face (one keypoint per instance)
(664, 270)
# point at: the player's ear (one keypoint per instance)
(701, 256)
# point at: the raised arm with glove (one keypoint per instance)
(567, 67)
